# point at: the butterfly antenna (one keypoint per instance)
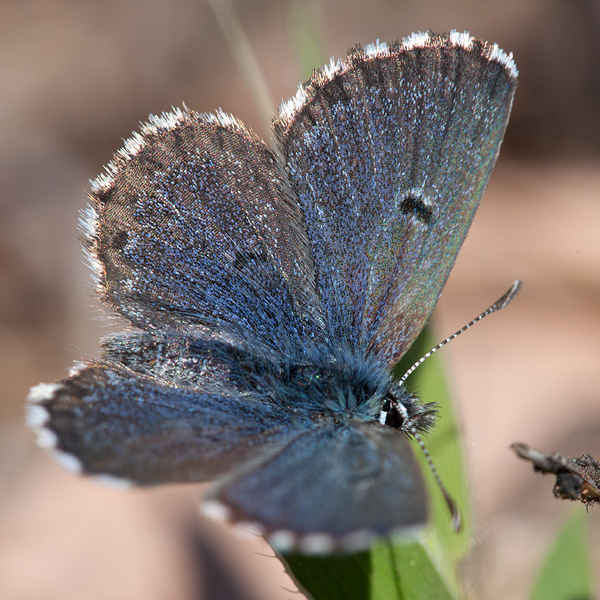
(454, 512)
(498, 305)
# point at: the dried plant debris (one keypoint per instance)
(576, 478)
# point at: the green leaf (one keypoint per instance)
(408, 572)
(386, 572)
(417, 568)
(336, 577)
(566, 573)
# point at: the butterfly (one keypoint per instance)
(271, 290)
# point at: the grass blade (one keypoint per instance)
(566, 573)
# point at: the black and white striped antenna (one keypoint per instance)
(498, 305)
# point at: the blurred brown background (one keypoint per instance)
(77, 77)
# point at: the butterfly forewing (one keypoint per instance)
(194, 227)
(389, 153)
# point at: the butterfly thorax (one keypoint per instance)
(352, 390)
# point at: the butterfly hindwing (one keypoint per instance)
(185, 416)
(357, 478)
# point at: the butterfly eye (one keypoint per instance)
(393, 414)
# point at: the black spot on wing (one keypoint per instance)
(414, 205)
(118, 240)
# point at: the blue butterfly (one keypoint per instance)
(272, 290)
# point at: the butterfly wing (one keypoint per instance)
(194, 237)
(389, 153)
(345, 482)
(193, 227)
(156, 410)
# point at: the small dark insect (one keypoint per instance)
(576, 478)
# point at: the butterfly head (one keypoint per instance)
(402, 410)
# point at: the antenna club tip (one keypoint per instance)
(507, 298)
(456, 522)
(516, 286)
